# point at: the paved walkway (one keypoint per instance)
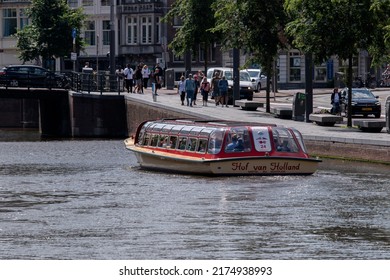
(310, 131)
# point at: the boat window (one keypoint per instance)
(172, 142)
(283, 140)
(147, 126)
(192, 144)
(186, 130)
(163, 141)
(261, 139)
(176, 129)
(196, 130)
(202, 146)
(215, 142)
(237, 140)
(167, 128)
(145, 140)
(154, 140)
(182, 143)
(158, 127)
(299, 137)
(141, 134)
(206, 132)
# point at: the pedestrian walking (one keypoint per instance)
(190, 89)
(138, 80)
(157, 80)
(128, 73)
(215, 89)
(223, 90)
(335, 101)
(204, 90)
(119, 77)
(145, 75)
(197, 85)
(181, 90)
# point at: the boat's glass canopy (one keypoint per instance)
(196, 137)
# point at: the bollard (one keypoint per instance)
(299, 106)
(387, 109)
(154, 95)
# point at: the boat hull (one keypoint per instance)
(228, 166)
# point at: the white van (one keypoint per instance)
(246, 85)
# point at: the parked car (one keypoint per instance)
(258, 78)
(364, 102)
(246, 86)
(31, 76)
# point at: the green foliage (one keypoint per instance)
(227, 16)
(380, 49)
(49, 34)
(197, 19)
(331, 27)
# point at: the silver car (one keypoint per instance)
(258, 79)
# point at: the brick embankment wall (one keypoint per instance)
(138, 112)
(373, 153)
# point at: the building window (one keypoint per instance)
(213, 53)
(343, 66)
(23, 18)
(146, 30)
(105, 2)
(73, 3)
(202, 54)
(9, 22)
(320, 73)
(132, 34)
(87, 3)
(106, 32)
(295, 67)
(90, 33)
(157, 31)
(210, 54)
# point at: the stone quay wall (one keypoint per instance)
(138, 112)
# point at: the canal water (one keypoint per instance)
(89, 200)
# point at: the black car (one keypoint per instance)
(364, 102)
(31, 76)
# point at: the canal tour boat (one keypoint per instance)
(220, 148)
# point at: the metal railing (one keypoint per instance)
(95, 82)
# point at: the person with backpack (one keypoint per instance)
(204, 90)
(223, 89)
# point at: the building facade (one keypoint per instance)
(141, 37)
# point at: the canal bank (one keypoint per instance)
(111, 115)
(337, 141)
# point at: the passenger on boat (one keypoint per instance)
(284, 147)
(240, 146)
(230, 147)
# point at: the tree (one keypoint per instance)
(197, 20)
(49, 34)
(380, 50)
(333, 27)
(255, 26)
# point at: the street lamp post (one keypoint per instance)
(112, 38)
(97, 53)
